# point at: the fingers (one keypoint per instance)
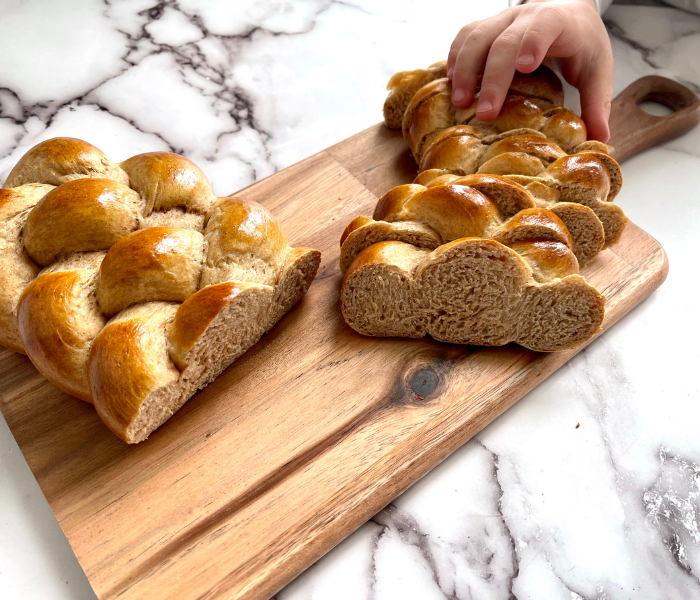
(498, 73)
(471, 57)
(540, 35)
(457, 44)
(595, 87)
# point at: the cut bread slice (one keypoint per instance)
(136, 384)
(470, 291)
(151, 358)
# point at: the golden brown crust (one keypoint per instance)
(565, 128)
(108, 251)
(511, 163)
(518, 112)
(456, 150)
(82, 215)
(372, 232)
(237, 228)
(484, 206)
(128, 361)
(59, 160)
(542, 86)
(158, 263)
(452, 210)
(431, 111)
(591, 177)
(392, 202)
(548, 259)
(384, 252)
(433, 177)
(533, 145)
(509, 197)
(356, 223)
(166, 180)
(57, 325)
(534, 223)
(402, 87)
(17, 269)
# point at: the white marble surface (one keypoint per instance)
(590, 486)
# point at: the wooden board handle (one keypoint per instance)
(633, 129)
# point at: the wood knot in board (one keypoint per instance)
(424, 382)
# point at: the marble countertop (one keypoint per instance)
(590, 486)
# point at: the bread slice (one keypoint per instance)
(590, 179)
(470, 291)
(151, 358)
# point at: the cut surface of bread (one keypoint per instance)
(131, 286)
(469, 291)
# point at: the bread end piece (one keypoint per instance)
(403, 85)
(150, 359)
(300, 268)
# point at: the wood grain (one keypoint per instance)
(304, 438)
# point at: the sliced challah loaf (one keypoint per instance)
(449, 207)
(533, 103)
(132, 286)
(473, 261)
(534, 141)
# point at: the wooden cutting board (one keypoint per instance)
(305, 437)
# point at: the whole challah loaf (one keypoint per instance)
(474, 261)
(130, 285)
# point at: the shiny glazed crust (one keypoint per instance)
(533, 104)
(130, 285)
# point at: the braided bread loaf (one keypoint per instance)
(590, 178)
(500, 270)
(534, 141)
(130, 285)
(533, 103)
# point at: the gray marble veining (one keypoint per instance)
(589, 488)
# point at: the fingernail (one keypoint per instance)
(458, 95)
(526, 59)
(484, 106)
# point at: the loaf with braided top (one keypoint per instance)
(533, 103)
(591, 178)
(534, 141)
(473, 261)
(131, 285)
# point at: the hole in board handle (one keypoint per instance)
(655, 108)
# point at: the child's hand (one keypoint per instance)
(520, 38)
